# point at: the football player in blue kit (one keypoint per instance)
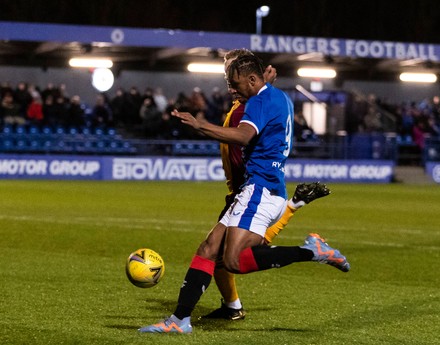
(265, 132)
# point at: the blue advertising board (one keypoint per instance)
(183, 169)
(433, 170)
(50, 167)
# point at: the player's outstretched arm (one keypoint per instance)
(240, 135)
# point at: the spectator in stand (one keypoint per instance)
(62, 111)
(148, 93)
(11, 111)
(150, 116)
(200, 104)
(133, 105)
(102, 115)
(406, 121)
(118, 105)
(49, 90)
(22, 97)
(371, 121)
(4, 88)
(75, 113)
(419, 133)
(170, 127)
(201, 110)
(61, 91)
(50, 112)
(183, 102)
(435, 108)
(160, 99)
(433, 127)
(35, 110)
(217, 105)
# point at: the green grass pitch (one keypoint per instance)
(63, 246)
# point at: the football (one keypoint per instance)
(145, 268)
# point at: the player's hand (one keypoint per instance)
(270, 74)
(186, 118)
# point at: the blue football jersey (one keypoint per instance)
(270, 112)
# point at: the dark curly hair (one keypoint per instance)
(246, 65)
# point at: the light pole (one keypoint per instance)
(262, 11)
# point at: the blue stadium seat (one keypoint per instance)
(20, 130)
(111, 132)
(34, 130)
(98, 131)
(7, 129)
(46, 130)
(60, 130)
(7, 145)
(86, 131)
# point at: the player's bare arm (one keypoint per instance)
(240, 135)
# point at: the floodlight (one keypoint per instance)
(261, 12)
(418, 77)
(102, 79)
(91, 62)
(325, 73)
(206, 68)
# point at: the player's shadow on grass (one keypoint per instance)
(122, 327)
(214, 325)
(152, 309)
(156, 309)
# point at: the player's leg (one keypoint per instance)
(255, 208)
(304, 194)
(197, 280)
(231, 307)
(315, 248)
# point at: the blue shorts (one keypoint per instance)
(254, 209)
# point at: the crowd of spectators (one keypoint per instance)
(145, 115)
(148, 114)
(415, 121)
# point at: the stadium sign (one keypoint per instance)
(49, 167)
(346, 48)
(183, 169)
(210, 169)
(135, 37)
(339, 171)
(164, 168)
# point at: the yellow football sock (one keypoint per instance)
(275, 229)
(226, 284)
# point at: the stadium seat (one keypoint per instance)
(34, 130)
(85, 131)
(111, 131)
(99, 131)
(20, 130)
(60, 130)
(7, 129)
(7, 145)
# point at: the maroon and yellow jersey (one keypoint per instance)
(231, 153)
